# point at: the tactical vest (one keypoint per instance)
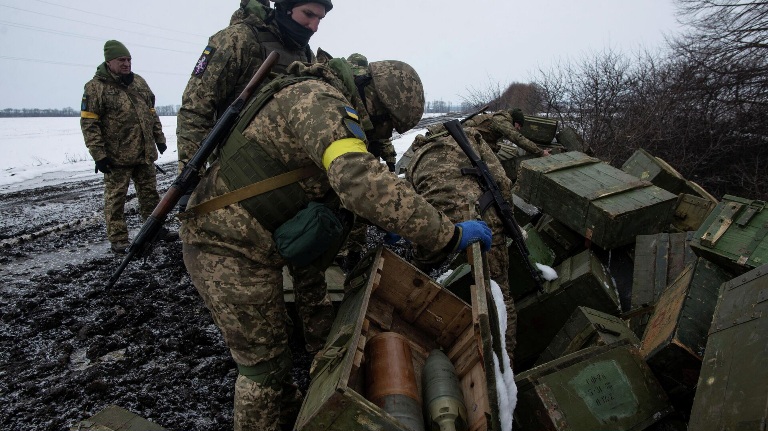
(269, 42)
(243, 163)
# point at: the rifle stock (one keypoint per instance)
(189, 174)
(488, 185)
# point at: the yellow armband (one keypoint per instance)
(89, 115)
(337, 148)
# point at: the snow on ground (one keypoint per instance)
(44, 151)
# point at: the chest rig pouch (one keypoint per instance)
(304, 231)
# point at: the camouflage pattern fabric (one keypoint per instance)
(497, 126)
(221, 73)
(435, 173)
(229, 248)
(313, 305)
(119, 121)
(115, 190)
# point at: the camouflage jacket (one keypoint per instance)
(497, 126)
(296, 127)
(435, 173)
(226, 66)
(120, 121)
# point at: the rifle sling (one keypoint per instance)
(250, 191)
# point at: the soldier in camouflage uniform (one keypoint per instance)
(123, 134)
(224, 69)
(504, 125)
(317, 124)
(435, 173)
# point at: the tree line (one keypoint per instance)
(165, 110)
(699, 104)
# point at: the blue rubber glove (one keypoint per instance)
(473, 231)
(391, 238)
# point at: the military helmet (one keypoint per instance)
(288, 4)
(398, 87)
(358, 59)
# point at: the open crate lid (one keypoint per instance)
(417, 298)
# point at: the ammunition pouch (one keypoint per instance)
(307, 235)
(270, 373)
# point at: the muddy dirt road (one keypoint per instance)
(68, 348)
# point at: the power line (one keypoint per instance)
(82, 36)
(94, 25)
(36, 60)
(115, 18)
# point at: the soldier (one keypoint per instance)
(504, 125)
(435, 173)
(227, 64)
(123, 134)
(314, 125)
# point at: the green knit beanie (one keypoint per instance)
(114, 49)
(518, 116)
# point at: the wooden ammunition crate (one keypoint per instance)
(732, 390)
(603, 388)
(605, 205)
(521, 282)
(587, 328)
(659, 260)
(645, 166)
(582, 281)
(674, 339)
(385, 293)
(571, 140)
(114, 418)
(691, 211)
(540, 130)
(562, 240)
(735, 235)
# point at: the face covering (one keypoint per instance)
(292, 29)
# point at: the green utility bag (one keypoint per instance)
(308, 235)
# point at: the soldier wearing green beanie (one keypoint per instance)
(123, 134)
(114, 49)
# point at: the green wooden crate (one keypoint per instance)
(571, 140)
(691, 211)
(587, 328)
(605, 205)
(582, 281)
(540, 130)
(645, 166)
(659, 260)
(385, 293)
(114, 418)
(562, 240)
(674, 339)
(520, 281)
(735, 235)
(603, 388)
(732, 389)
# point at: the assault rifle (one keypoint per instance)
(189, 175)
(490, 187)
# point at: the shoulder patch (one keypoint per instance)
(351, 113)
(84, 103)
(354, 127)
(202, 62)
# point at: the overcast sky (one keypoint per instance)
(51, 48)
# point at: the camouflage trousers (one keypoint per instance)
(115, 191)
(313, 305)
(245, 299)
(498, 266)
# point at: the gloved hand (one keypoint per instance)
(391, 166)
(391, 238)
(104, 165)
(161, 147)
(473, 231)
